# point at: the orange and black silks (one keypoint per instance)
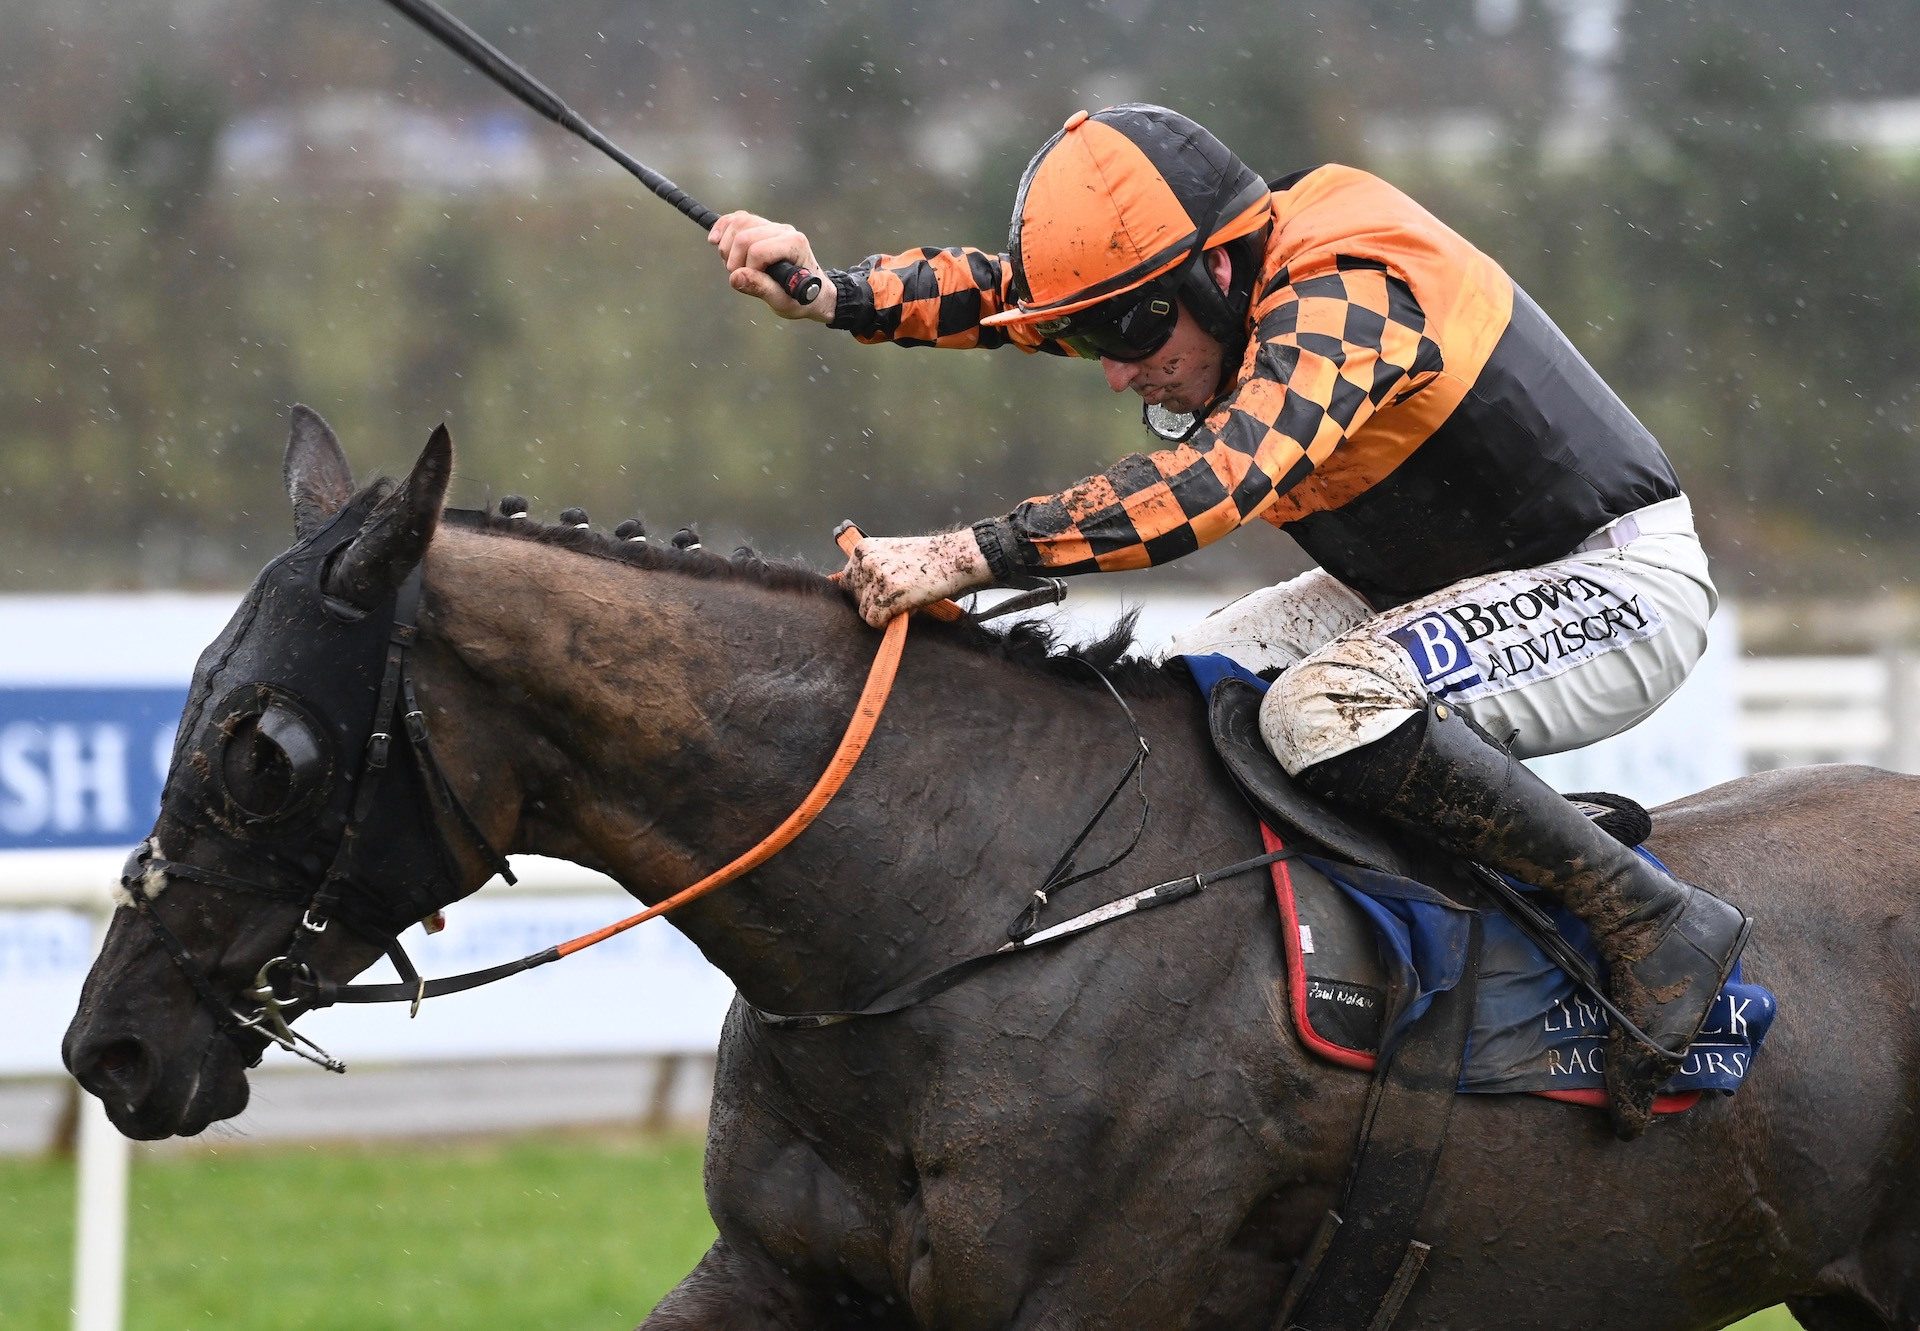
(1403, 410)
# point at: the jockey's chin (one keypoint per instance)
(1179, 400)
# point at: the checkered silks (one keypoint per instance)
(1329, 350)
(936, 298)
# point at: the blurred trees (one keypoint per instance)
(1802, 364)
(1750, 287)
(1747, 282)
(162, 143)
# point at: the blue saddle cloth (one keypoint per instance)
(1533, 1030)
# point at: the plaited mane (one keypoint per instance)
(1033, 644)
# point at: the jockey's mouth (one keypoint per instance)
(1162, 395)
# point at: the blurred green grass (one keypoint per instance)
(584, 1233)
(570, 1233)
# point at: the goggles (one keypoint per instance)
(1131, 326)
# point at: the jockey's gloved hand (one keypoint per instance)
(890, 575)
(750, 244)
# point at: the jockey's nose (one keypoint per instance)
(1120, 373)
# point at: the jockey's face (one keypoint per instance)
(1184, 374)
(1180, 377)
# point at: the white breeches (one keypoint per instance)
(1544, 659)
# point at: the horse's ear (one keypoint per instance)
(396, 533)
(319, 481)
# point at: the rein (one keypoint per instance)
(916, 991)
(1025, 933)
(853, 742)
(286, 984)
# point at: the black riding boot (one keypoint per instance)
(1668, 946)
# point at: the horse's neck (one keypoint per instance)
(670, 723)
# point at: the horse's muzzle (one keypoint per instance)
(143, 1097)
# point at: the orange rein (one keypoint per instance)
(860, 728)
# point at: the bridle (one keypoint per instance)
(287, 980)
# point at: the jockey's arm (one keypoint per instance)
(1312, 377)
(931, 297)
(1302, 393)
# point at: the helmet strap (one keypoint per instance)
(1222, 315)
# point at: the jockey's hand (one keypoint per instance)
(749, 245)
(890, 575)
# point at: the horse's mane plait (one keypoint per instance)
(1030, 643)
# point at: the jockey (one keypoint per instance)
(1508, 566)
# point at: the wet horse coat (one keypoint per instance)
(1123, 1132)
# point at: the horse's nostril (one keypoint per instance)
(115, 1069)
(118, 1057)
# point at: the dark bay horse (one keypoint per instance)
(1122, 1132)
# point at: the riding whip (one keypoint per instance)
(463, 41)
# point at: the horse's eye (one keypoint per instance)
(270, 762)
(259, 778)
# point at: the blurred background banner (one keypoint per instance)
(90, 692)
(82, 766)
(91, 688)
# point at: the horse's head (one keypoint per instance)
(304, 821)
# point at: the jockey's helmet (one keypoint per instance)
(1111, 224)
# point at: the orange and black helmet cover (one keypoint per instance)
(1118, 198)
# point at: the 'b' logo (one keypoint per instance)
(1435, 648)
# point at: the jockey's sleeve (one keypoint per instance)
(1327, 351)
(931, 298)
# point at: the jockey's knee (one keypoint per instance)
(1348, 694)
(1276, 627)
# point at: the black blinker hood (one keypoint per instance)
(324, 660)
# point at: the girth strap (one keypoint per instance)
(1364, 1260)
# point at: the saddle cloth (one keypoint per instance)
(1368, 949)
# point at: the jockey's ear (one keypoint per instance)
(1220, 268)
(319, 481)
(395, 536)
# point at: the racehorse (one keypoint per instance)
(1121, 1131)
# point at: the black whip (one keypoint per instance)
(457, 37)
